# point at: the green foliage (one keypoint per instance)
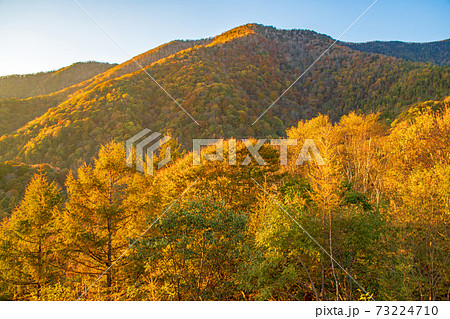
(356, 198)
(192, 253)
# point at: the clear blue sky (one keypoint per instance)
(42, 35)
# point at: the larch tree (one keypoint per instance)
(28, 242)
(103, 203)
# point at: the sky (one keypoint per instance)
(43, 35)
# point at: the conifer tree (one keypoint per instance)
(28, 242)
(97, 220)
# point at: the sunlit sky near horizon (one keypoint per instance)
(43, 35)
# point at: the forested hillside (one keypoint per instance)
(372, 223)
(225, 83)
(379, 207)
(435, 52)
(16, 112)
(43, 83)
(14, 178)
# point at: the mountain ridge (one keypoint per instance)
(436, 52)
(23, 86)
(225, 82)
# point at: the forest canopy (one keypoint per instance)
(378, 212)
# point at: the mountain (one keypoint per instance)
(435, 52)
(43, 83)
(225, 83)
(25, 97)
(371, 223)
(16, 112)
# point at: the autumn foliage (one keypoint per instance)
(371, 223)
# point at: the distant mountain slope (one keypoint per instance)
(43, 83)
(14, 178)
(16, 112)
(434, 52)
(225, 83)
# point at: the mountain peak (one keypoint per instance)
(238, 32)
